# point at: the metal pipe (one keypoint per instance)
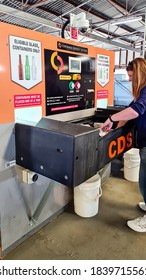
(144, 41)
(33, 219)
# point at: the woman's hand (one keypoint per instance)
(106, 126)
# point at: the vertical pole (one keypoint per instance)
(144, 41)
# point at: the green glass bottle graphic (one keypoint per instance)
(27, 68)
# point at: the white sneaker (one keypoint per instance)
(142, 206)
(138, 224)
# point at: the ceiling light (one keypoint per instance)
(125, 20)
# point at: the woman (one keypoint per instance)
(136, 70)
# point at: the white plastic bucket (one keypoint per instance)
(131, 165)
(86, 197)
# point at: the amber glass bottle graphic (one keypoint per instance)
(27, 68)
(33, 69)
(20, 68)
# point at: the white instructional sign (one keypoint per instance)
(26, 63)
(103, 66)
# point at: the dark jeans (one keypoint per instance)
(142, 173)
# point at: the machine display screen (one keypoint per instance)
(74, 65)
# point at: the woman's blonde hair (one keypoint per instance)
(138, 67)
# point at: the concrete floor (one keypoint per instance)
(102, 237)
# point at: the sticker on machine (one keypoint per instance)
(103, 68)
(26, 63)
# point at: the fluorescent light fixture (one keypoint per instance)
(125, 20)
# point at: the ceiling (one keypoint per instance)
(48, 16)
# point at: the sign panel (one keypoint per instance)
(74, 33)
(26, 64)
(27, 100)
(70, 82)
(103, 65)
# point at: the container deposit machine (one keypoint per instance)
(50, 88)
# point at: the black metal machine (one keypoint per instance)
(70, 151)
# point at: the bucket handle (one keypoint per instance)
(131, 166)
(98, 195)
(129, 159)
